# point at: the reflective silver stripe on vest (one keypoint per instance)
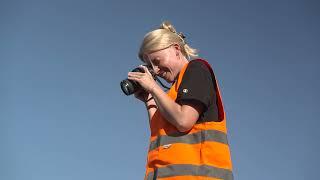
(192, 170)
(194, 138)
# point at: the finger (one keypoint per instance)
(134, 78)
(135, 73)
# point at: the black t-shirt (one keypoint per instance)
(197, 86)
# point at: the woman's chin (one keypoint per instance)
(169, 80)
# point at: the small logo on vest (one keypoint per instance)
(185, 90)
(166, 146)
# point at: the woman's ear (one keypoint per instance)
(177, 48)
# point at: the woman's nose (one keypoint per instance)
(155, 69)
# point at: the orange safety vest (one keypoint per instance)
(200, 153)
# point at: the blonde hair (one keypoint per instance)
(162, 38)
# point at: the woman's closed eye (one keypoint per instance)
(155, 61)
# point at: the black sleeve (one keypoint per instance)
(197, 85)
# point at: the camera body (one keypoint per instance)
(129, 86)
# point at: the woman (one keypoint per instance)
(188, 126)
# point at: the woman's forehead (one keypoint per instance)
(150, 56)
(158, 53)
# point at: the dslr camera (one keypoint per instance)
(129, 86)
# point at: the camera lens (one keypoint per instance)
(128, 87)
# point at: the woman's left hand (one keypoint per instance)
(144, 79)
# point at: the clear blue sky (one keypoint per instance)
(63, 115)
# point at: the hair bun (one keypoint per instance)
(167, 25)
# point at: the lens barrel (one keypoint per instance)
(128, 86)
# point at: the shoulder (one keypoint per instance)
(198, 71)
(197, 65)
